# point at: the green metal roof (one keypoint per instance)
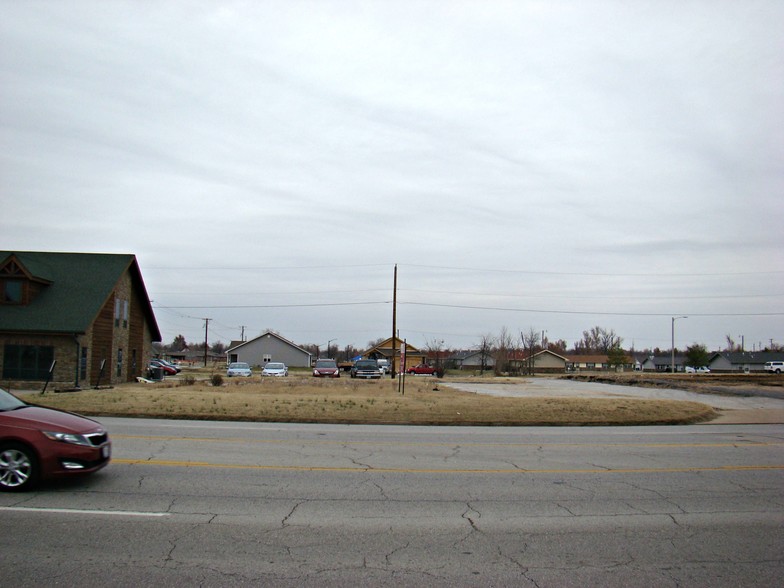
(80, 285)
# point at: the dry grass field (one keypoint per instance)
(300, 398)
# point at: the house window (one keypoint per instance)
(116, 312)
(27, 362)
(125, 314)
(12, 291)
(119, 363)
(267, 357)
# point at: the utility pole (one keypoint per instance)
(206, 329)
(672, 364)
(394, 326)
(242, 335)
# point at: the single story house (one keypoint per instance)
(663, 363)
(268, 347)
(543, 361)
(194, 357)
(471, 360)
(73, 319)
(742, 361)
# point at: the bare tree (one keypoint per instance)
(731, 345)
(485, 350)
(504, 346)
(598, 340)
(376, 342)
(557, 346)
(435, 348)
(530, 340)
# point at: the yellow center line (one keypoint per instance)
(370, 470)
(299, 442)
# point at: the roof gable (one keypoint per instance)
(238, 344)
(386, 345)
(75, 286)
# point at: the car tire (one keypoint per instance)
(18, 467)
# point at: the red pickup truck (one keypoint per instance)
(422, 370)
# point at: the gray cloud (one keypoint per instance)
(612, 163)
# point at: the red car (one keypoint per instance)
(326, 368)
(167, 368)
(38, 443)
(422, 370)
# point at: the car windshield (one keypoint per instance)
(239, 366)
(367, 363)
(9, 402)
(275, 366)
(325, 363)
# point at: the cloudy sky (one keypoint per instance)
(550, 165)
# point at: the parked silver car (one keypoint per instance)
(275, 368)
(239, 368)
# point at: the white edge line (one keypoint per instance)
(124, 513)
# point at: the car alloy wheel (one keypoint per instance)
(18, 467)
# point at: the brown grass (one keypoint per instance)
(303, 399)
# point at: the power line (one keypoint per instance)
(465, 269)
(277, 305)
(590, 274)
(582, 312)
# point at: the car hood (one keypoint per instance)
(38, 417)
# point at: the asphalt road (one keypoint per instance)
(242, 504)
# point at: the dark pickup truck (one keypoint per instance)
(365, 368)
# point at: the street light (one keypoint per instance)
(672, 348)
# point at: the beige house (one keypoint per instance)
(384, 350)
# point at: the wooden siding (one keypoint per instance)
(100, 348)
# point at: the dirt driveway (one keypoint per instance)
(741, 407)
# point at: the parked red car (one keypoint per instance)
(167, 368)
(326, 368)
(38, 443)
(422, 370)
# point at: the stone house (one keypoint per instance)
(73, 319)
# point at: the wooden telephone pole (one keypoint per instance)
(394, 325)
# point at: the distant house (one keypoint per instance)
(268, 347)
(384, 351)
(545, 361)
(471, 360)
(87, 315)
(662, 363)
(588, 362)
(742, 361)
(195, 357)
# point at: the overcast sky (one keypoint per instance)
(527, 165)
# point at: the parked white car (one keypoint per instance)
(774, 367)
(699, 370)
(275, 368)
(239, 368)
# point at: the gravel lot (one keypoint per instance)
(737, 404)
